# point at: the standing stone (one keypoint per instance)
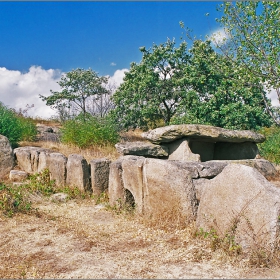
(180, 150)
(132, 176)
(78, 172)
(57, 166)
(116, 190)
(168, 185)
(6, 157)
(99, 169)
(241, 202)
(32, 159)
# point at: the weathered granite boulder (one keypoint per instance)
(78, 174)
(242, 203)
(57, 167)
(18, 175)
(32, 159)
(6, 157)
(139, 148)
(157, 184)
(99, 169)
(206, 132)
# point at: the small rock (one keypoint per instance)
(59, 197)
(17, 175)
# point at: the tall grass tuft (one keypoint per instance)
(16, 128)
(88, 132)
(270, 149)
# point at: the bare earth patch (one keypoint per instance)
(79, 239)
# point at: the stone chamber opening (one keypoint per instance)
(129, 200)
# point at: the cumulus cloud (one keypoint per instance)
(219, 36)
(113, 64)
(18, 89)
(117, 78)
(273, 97)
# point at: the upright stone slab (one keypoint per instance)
(78, 172)
(6, 157)
(132, 177)
(241, 202)
(168, 185)
(116, 191)
(57, 166)
(32, 159)
(180, 150)
(99, 169)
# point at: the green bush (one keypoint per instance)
(270, 148)
(15, 128)
(14, 199)
(88, 132)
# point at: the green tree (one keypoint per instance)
(152, 91)
(253, 30)
(77, 87)
(220, 94)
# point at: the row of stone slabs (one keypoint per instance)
(198, 143)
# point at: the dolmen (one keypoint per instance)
(212, 176)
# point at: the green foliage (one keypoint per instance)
(77, 86)
(14, 199)
(220, 96)
(270, 148)
(89, 132)
(226, 243)
(15, 128)
(253, 30)
(175, 85)
(151, 90)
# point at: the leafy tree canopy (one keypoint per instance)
(77, 86)
(152, 91)
(253, 30)
(175, 85)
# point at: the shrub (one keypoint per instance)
(89, 132)
(270, 149)
(16, 128)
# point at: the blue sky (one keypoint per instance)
(67, 35)
(40, 40)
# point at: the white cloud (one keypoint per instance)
(273, 96)
(219, 36)
(117, 78)
(113, 64)
(18, 89)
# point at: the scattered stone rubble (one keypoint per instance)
(212, 175)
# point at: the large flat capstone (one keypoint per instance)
(207, 132)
